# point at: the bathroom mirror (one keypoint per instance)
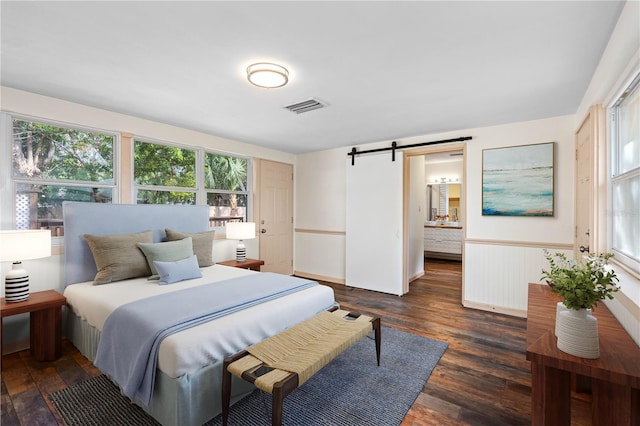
(444, 199)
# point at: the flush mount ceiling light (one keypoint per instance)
(265, 74)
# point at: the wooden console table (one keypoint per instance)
(615, 376)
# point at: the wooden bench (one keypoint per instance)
(281, 363)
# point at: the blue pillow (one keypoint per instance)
(172, 272)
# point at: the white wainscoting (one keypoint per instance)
(497, 274)
(320, 255)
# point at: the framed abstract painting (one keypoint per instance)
(518, 180)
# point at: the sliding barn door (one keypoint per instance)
(374, 223)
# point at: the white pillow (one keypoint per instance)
(181, 270)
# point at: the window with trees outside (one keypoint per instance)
(226, 187)
(165, 174)
(52, 164)
(625, 177)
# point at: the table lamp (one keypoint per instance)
(16, 246)
(241, 231)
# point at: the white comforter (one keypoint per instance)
(196, 347)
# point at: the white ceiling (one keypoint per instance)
(387, 70)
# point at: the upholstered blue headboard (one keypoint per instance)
(108, 219)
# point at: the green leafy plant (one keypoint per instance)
(581, 284)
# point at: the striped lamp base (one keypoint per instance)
(241, 252)
(16, 284)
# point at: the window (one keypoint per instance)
(52, 164)
(164, 174)
(625, 176)
(226, 188)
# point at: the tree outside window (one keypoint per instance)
(52, 164)
(226, 184)
(164, 174)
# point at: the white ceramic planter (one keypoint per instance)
(559, 308)
(577, 332)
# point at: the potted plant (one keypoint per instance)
(581, 285)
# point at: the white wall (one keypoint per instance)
(48, 273)
(320, 216)
(417, 216)
(482, 288)
(556, 229)
(499, 282)
(451, 169)
(619, 58)
(17, 101)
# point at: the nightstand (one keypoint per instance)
(45, 308)
(253, 264)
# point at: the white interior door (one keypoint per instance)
(374, 223)
(584, 198)
(590, 197)
(276, 216)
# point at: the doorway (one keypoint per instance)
(444, 178)
(275, 213)
(587, 216)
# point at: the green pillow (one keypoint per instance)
(166, 252)
(202, 244)
(117, 257)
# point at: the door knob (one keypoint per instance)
(584, 249)
(263, 231)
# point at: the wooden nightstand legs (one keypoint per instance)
(45, 309)
(46, 334)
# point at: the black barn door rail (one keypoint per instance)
(394, 146)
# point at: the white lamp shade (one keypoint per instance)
(240, 230)
(18, 245)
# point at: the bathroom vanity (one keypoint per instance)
(443, 241)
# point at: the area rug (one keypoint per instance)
(351, 390)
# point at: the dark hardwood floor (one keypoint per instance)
(482, 379)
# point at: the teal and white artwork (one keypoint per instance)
(518, 180)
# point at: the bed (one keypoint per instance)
(188, 376)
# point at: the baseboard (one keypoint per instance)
(522, 313)
(415, 277)
(319, 277)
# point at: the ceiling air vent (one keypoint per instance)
(306, 106)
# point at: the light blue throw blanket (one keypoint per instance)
(131, 336)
